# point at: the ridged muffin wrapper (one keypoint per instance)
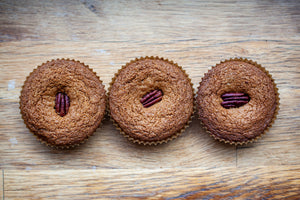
(275, 112)
(175, 135)
(38, 137)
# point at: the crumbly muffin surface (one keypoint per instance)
(237, 124)
(87, 102)
(161, 120)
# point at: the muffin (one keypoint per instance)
(151, 100)
(62, 102)
(237, 101)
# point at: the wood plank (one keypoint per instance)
(21, 150)
(108, 149)
(280, 146)
(148, 20)
(1, 184)
(276, 182)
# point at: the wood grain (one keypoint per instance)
(106, 35)
(1, 185)
(108, 149)
(143, 20)
(191, 183)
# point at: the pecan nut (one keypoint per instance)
(152, 98)
(234, 99)
(62, 104)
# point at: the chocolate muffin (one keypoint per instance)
(151, 100)
(62, 102)
(237, 101)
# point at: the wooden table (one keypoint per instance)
(107, 34)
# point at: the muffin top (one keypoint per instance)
(242, 122)
(162, 119)
(80, 87)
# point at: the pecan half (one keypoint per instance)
(151, 98)
(234, 99)
(62, 104)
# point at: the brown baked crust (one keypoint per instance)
(163, 119)
(243, 124)
(87, 102)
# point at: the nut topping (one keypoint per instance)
(234, 99)
(152, 98)
(62, 104)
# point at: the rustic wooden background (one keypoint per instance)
(107, 34)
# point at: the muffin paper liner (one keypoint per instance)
(134, 140)
(59, 147)
(275, 112)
